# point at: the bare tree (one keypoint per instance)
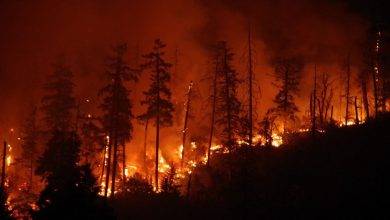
(325, 98)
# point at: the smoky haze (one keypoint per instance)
(34, 33)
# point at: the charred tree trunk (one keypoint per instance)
(124, 167)
(103, 163)
(250, 89)
(331, 115)
(114, 163)
(313, 128)
(365, 99)
(356, 112)
(186, 122)
(115, 133)
(227, 98)
(2, 183)
(157, 124)
(145, 145)
(375, 82)
(347, 91)
(213, 112)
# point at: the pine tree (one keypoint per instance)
(287, 75)
(58, 103)
(228, 105)
(117, 109)
(30, 135)
(71, 191)
(93, 139)
(157, 98)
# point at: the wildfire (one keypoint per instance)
(129, 170)
(276, 140)
(9, 157)
(163, 166)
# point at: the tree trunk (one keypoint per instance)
(114, 162)
(365, 99)
(2, 183)
(250, 90)
(331, 115)
(186, 122)
(124, 167)
(227, 98)
(145, 145)
(213, 112)
(313, 128)
(356, 112)
(375, 82)
(347, 93)
(104, 162)
(157, 124)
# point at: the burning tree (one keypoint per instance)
(58, 103)
(228, 106)
(287, 75)
(157, 98)
(117, 109)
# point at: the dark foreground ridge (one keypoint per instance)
(341, 174)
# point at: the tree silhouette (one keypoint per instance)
(287, 75)
(157, 97)
(117, 109)
(347, 95)
(58, 103)
(30, 135)
(93, 140)
(325, 98)
(228, 106)
(71, 191)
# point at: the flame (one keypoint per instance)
(9, 157)
(276, 140)
(163, 166)
(181, 148)
(9, 160)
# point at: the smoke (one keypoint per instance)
(35, 32)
